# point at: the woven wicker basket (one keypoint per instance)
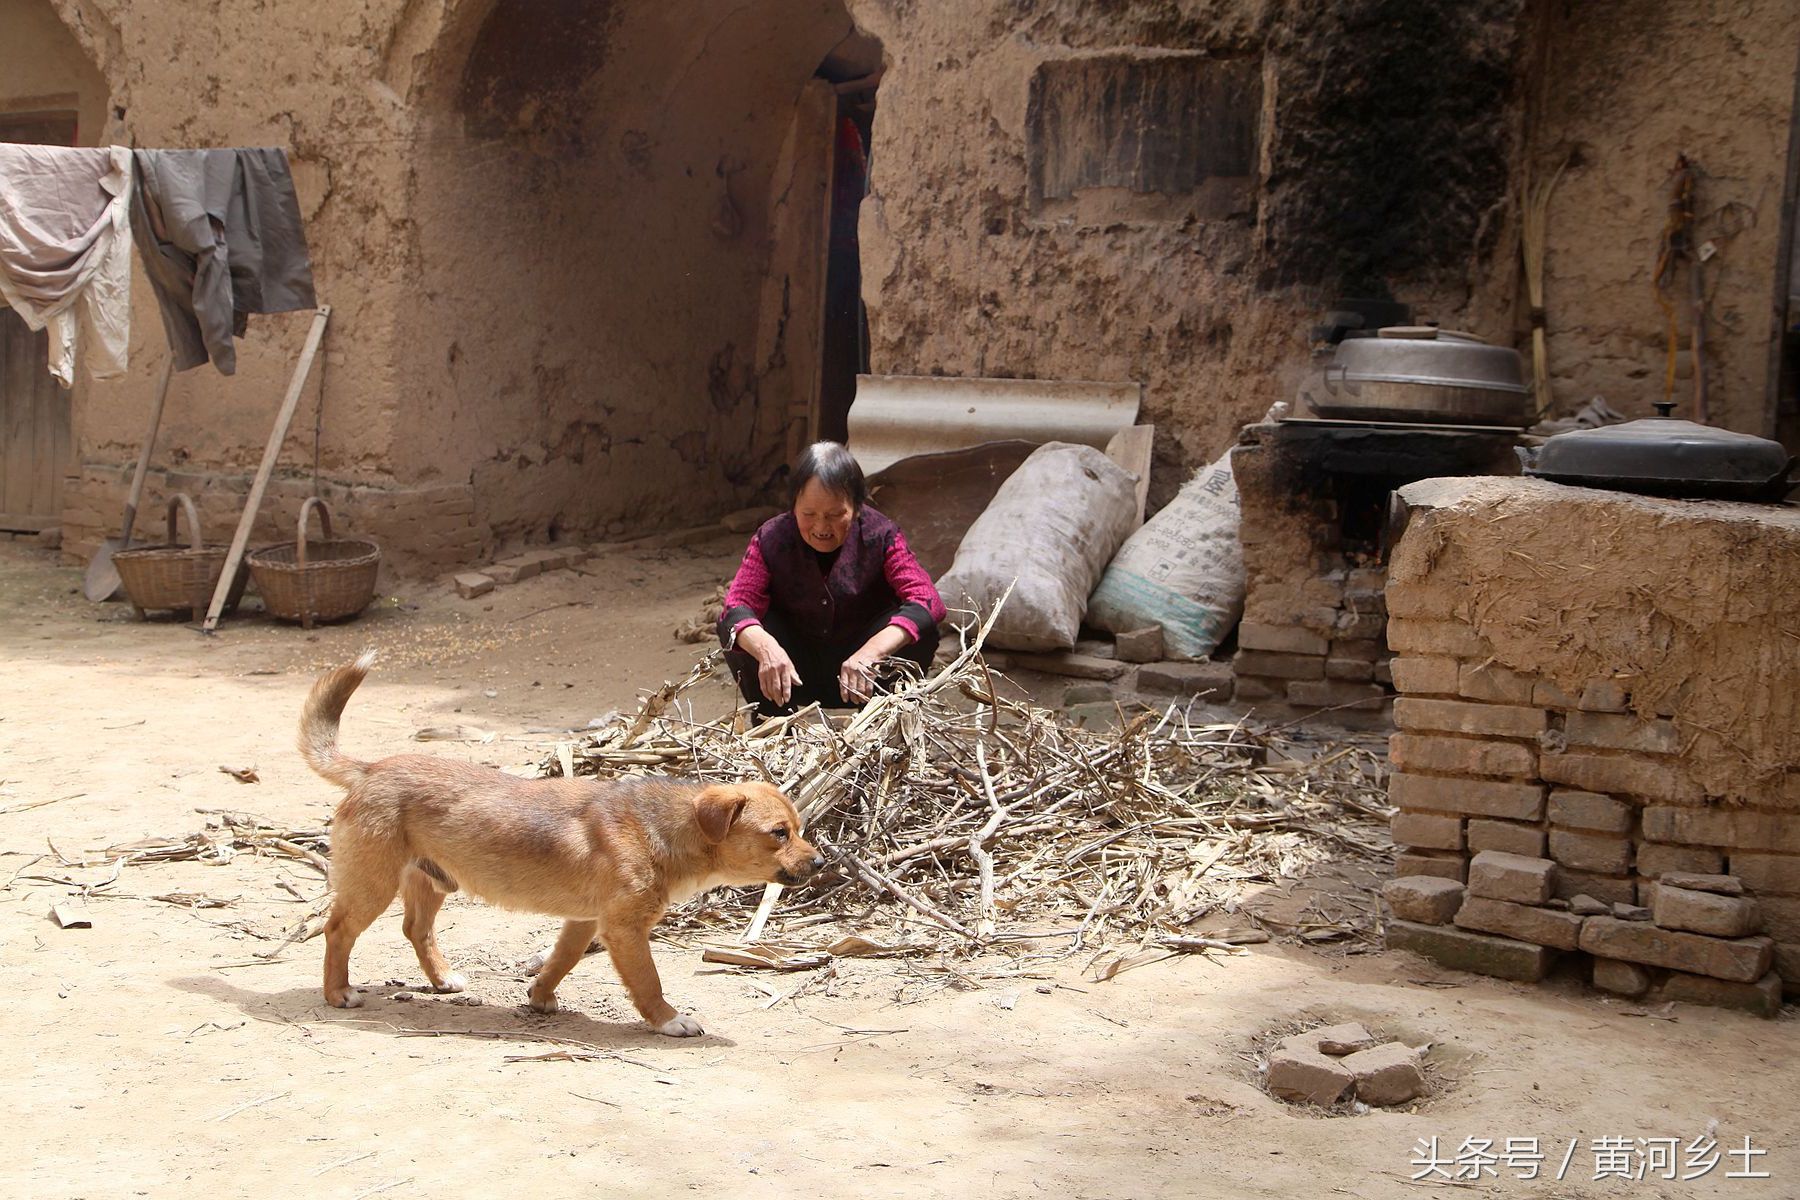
(174, 576)
(326, 580)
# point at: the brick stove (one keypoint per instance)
(1599, 747)
(1315, 500)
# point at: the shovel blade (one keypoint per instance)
(102, 582)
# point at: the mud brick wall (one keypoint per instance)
(420, 529)
(1606, 681)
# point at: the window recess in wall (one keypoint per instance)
(1144, 136)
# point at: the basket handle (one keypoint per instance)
(306, 508)
(181, 501)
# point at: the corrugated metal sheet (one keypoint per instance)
(899, 416)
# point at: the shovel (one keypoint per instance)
(102, 582)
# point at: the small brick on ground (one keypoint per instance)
(1140, 645)
(1705, 912)
(1496, 875)
(1426, 899)
(1387, 1075)
(1302, 1074)
(1336, 1041)
(1741, 960)
(471, 584)
(1458, 949)
(1620, 978)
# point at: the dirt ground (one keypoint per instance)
(154, 1055)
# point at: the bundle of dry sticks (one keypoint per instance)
(962, 818)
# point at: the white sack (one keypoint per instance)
(1052, 526)
(1184, 570)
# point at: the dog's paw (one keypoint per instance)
(352, 998)
(546, 1006)
(455, 981)
(680, 1025)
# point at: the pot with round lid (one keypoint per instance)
(1665, 456)
(1422, 374)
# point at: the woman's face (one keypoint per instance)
(823, 515)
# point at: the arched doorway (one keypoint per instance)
(619, 217)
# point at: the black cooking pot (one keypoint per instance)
(1663, 456)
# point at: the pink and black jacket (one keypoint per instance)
(874, 575)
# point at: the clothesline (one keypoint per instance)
(219, 233)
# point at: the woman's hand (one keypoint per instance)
(856, 678)
(775, 672)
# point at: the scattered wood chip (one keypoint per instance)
(242, 774)
(769, 960)
(71, 916)
(453, 733)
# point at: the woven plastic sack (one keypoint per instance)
(1052, 526)
(1184, 570)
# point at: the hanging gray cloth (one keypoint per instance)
(220, 235)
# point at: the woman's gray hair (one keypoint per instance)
(836, 469)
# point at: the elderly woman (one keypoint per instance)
(826, 591)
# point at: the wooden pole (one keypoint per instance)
(271, 452)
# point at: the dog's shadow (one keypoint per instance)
(431, 1014)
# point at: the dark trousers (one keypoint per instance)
(818, 663)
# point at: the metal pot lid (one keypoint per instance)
(1425, 355)
(1662, 448)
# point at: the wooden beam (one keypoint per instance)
(271, 452)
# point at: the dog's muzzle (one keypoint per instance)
(788, 878)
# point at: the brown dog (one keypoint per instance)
(608, 858)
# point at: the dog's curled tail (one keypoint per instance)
(319, 722)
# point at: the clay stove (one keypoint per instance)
(1315, 497)
(1599, 738)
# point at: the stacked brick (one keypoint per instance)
(1493, 761)
(1332, 655)
(1323, 1066)
(1699, 943)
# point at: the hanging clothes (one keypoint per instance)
(220, 235)
(65, 251)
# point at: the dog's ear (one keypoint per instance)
(717, 809)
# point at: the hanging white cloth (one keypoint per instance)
(65, 251)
